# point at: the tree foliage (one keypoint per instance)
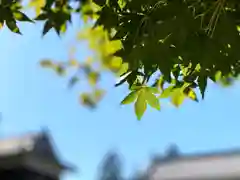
(110, 168)
(159, 48)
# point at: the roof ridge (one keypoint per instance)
(196, 155)
(228, 151)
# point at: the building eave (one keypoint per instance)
(204, 166)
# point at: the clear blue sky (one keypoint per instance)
(31, 98)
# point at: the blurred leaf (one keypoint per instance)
(73, 81)
(112, 46)
(37, 5)
(226, 81)
(115, 63)
(73, 63)
(46, 63)
(98, 94)
(60, 70)
(86, 100)
(93, 78)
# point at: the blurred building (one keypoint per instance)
(30, 157)
(221, 165)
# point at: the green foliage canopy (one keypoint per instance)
(159, 48)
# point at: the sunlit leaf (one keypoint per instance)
(153, 90)
(198, 68)
(63, 28)
(116, 63)
(122, 3)
(140, 105)
(160, 83)
(177, 97)
(166, 92)
(191, 94)
(37, 5)
(123, 69)
(218, 75)
(112, 46)
(152, 100)
(130, 98)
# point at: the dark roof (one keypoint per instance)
(39, 143)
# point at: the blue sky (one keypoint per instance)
(31, 98)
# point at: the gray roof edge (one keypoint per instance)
(157, 160)
(66, 166)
